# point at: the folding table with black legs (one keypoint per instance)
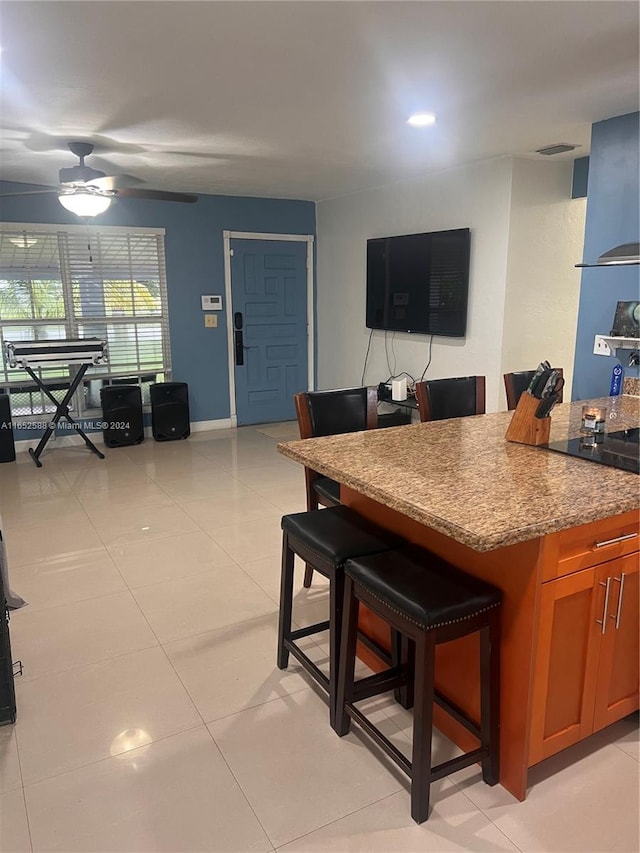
(81, 352)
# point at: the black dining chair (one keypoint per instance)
(515, 384)
(459, 397)
(322, 413)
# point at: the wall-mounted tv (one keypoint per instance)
(419, 282)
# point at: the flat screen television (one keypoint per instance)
(419, 282)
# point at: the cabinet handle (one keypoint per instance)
(607, 589)
(622, 538)
(620, 580)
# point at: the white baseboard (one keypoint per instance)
(204, 426)
(24, 444)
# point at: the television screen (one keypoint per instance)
(419, 283)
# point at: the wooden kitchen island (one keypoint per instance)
(558, 535)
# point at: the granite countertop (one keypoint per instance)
(463, 479)
(631, 385)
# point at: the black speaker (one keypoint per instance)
(7, 446)
(122, 422)
(170, 410)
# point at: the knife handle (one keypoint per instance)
(541, 384)
(537, 374)
(545, 406)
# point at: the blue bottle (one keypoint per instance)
(617, 375)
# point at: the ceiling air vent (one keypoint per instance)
(560, 148)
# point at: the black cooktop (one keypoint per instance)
(616, 449)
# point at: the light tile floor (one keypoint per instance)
(151, 715)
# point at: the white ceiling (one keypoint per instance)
(304, 99)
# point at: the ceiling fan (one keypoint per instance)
(89, 192)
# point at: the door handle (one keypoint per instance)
(603, 621)
(239, 347)
(619, 580)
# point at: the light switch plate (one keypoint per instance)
(211, 321)
(211, 303)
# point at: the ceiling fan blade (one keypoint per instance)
(157, 195)
(114, 182)
(30, 192)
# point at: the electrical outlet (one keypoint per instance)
(211, 321)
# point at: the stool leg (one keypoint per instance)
(312, 504)
(308, 575)
(347, 665)
(422, 726)
(286, 602)
(490, 697)
(403, 657)
(336, 601)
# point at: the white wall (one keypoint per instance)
(546, 237)
(526, 236)
(476, 197)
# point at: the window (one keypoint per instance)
(84, 282)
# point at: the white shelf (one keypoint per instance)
(606, 345)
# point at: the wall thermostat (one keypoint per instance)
(211, 303)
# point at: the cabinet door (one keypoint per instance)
(618, 676)
(566, 664)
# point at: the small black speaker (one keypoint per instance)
(7, 445)
(170, 410)
(122, 422)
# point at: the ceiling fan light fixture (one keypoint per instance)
(84, 202)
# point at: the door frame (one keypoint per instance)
(309, 239)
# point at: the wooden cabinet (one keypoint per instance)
(561, 678)
(586, 666)
(618, 676)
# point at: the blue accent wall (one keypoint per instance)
(613, 214)
(195, 266)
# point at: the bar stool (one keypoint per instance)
(428, 602)
(450, 398)
(324, 539)
(322, 413)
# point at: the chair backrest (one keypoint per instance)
(451, 398)
(516, 383)
(335, 412)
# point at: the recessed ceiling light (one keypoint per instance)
(421, 120)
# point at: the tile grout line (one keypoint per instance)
(105, 758)
(337, 820)
(186, 689)
(22, 786)
(91, 663)
(240, 788)
(632, 757)
(26, 814)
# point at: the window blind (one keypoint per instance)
(85, 282)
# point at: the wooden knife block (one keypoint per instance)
(525, 428)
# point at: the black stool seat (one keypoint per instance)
(327, 489)
(431, 593)
(331, 536)
(425, 601)
(325, 539)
